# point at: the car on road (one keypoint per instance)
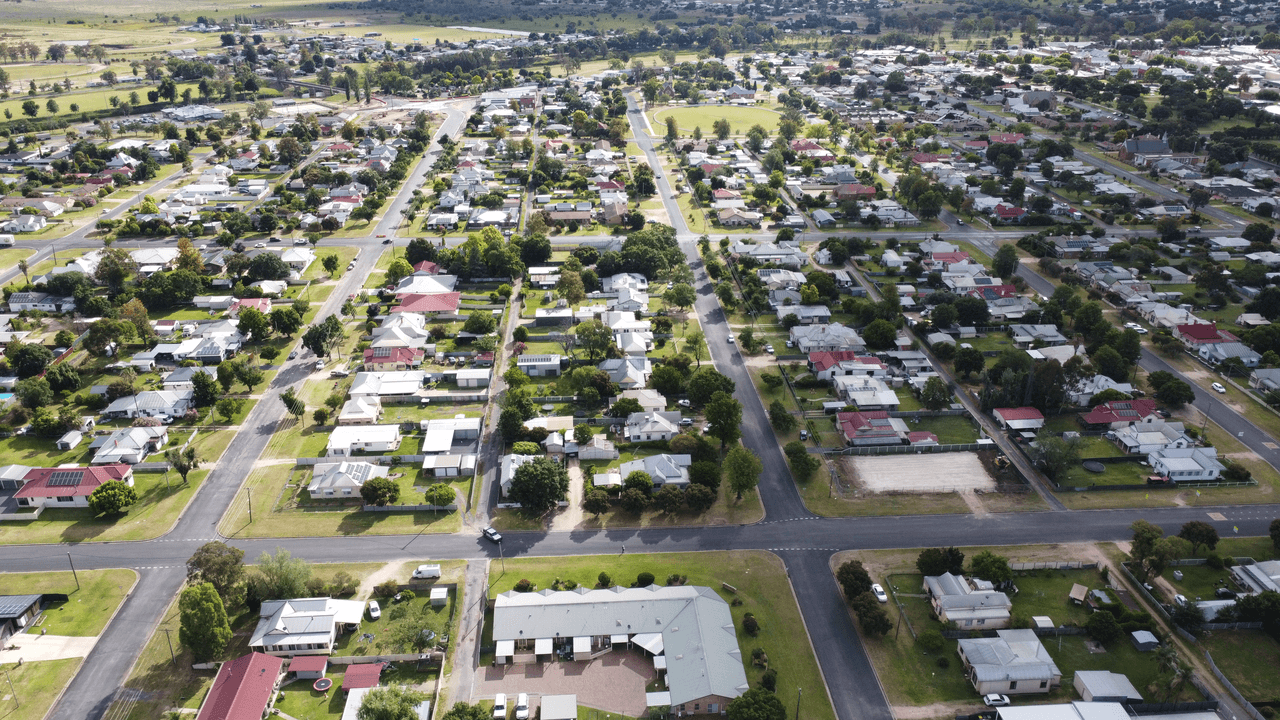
(320, 364)
(995, 700)
(1218, 388)
(300, 241)
(879, 593)
(259, 245)
(522, 706)
(500, 706)
(731, 341)
(492, 534)
(1140, 330)
(804, 434)
(382, 235)
(959, 221)
(1132, 325)
(273, 239)
(293, 354)
(375, 612)
(387, 241)
(340, 373)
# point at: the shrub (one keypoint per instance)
(769, 680)
(387, 589)
(604, 580)
(677, 579)
(524, 586)
(943, 662)
(644, 579)
(1214, 560)
(750, 624)
(407, 595)
(931, 640)
(526, 448)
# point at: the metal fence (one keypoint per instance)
(373, 459)
(1074, 565)
(903, 449)
(408, 508)
(1245, 704)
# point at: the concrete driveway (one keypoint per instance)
(35, 647)
(613, 682)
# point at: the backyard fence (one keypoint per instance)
(408, 508)
(433, 658)
(1074, 565)
(1171, 708)
(903, 449)
(1245, 704)
(152, 467)
(948, 412)
(1041, 632)
(1159, 606)
(373, 459)
(555, 399)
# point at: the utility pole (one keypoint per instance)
(172, 657)
(73, 571)
(799, 694)
(16, 701)
(502, 557)
(249, 493)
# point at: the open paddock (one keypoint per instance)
(926, 472)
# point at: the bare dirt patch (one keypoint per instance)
(940, 472)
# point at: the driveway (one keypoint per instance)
(613, 682)
(36, 647)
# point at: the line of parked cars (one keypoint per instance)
(500, 706)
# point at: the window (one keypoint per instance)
(695, 706)
(1044, 684)
(65, 499)
(1013, 685)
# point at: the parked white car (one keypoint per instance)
(879, 593)
(500, 706)
(375, 612)
(522, 706)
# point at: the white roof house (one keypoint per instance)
(360, 411)
(342, 479)
(664, 469)
(1186, 464)
(305, 626)
(690, 626)
(388, 384)
(650, 400)
(1013, 662)
(346, 440)
(151, 403)
(968, 603)
(128, 445)
(650, 425)
(508, 467)
(832, 337)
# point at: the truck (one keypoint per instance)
(6, 240)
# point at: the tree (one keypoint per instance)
(743, 469)
(1199, 532)
(596, 502)
(330, 264)
(593, 337)
(638, 480)
(1258, 233)
(1175, 394)
(936, 561)
(803, 465)
(183, 461)
(228, 408)
(380, 491)
(634, 501)
(205, 390)
(699, 498)
(935, 395)
(62, 376)
(463, 711)
(781, 418)
(625, 407)
(1053, 453)
(991, 567)
(705, 383)
(203, 625)
(681, 295)
(219, 565)
(392, 702)
(281, 575)
(1005, 262)
(538, 485)
(33, 392)
(27, 359)
(112, 498)
(1103, 627)
(285, 321)
(724, 414)
(880, 334)
(323, 337)
(853, 578)
(969, 360)
(669, 499)
(756, 704)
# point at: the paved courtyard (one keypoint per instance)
(613, 682)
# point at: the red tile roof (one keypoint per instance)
(1120, 411)
(976, 144)
(1007, 138)
(262, 305)
(70, 481)
(820, 361)
(865, 424)
(724, 194)
(242, 689)
(384, 354)
(365, 675)
(949, 258)
(426, 266)
(854, 189)
(1022, 413)
(441, 302)
(1205, 332)
(609, 185)
(1009, 211)
(309, 663)
(921, 436)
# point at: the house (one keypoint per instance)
(70, 440)
(1259, 577)
(1120, 413)
(347, 440)
(1193, 336)
(829, 365)
(1150, 434)
(968, 602)
(386, 358)
(245, 689)
(1265, 379)
(433, 304)
(507, 467)
(449, 465)
(826, 338)
(360, 411)
(305, 626)
(1105, 686)
(128, 445)
(342, 479)
(1215, 353)
(650, 400)
(24, 224)
(17, 612)
(390, 386)
(1023, 418)
(807, 314)
(664, 469)
(866, 392)
(309, 667)
(630, 373)
(68, 487)
(539, 365)
(1024, 336)
(737, 217)
(599, 448)
(1014, 662)
(649, 426)
(43, 302)
(183, 378)
(1186, 464)
(871, 428)
(150, 403)
(689, 626)
(442, 433)
(1143, 145)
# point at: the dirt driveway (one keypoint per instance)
(930, 472)
(613, 682)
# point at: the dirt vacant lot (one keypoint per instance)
(933, 472)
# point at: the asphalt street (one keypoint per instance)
(805, 542)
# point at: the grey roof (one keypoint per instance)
(12, 606)
(185, 374)
(1011, 655)
(697, 629)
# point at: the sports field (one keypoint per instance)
(740, 118)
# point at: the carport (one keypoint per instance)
(504, 651)
(542, 646)
(582, 647)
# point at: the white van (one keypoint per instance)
(426, 572)
(6, 240)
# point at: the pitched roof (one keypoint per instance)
(827, 359)
(1022, 413)
(389, 354)
(1120, 411)
(70, 481)
(362, 676)
(442, 302)
(242, 689)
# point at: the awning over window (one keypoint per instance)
(582, 645)
(505, 648)
(542, 646)
(657, 699)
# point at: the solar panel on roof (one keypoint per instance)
(65, 478)
(382, 351)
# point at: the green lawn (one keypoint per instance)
(1249, 659)
(1118, 473)
(9, 257)
(302, 702)
(155, 512)
(396, 626)
(950, 429)
(278, 511)
(704, 116)
(761, 581)
(316, 270)
(87, 610)
(37, 685)
(41, 452)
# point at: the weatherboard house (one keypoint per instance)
(687, 629)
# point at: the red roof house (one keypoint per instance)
(725, 194)
(309, 664)
(427, 304)
(1023, 418)
(1009, 213)
(821, 362)
(946, 259)
(854, 190)
(392, 358)
(871, 427)
(243, 689)
(426, 266)
(1120, 413)
(365, 675)
(976, 145)
(262, 305)
(1007, 138)
(922, 437)
(68, 487)
(1202, 334)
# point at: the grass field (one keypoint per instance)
(316, 270)
(87, 610)
(703, 116)
(38, 684)
(1249, 659)
(762, 585)
(9, 257)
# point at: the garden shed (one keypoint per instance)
(1143, 640)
